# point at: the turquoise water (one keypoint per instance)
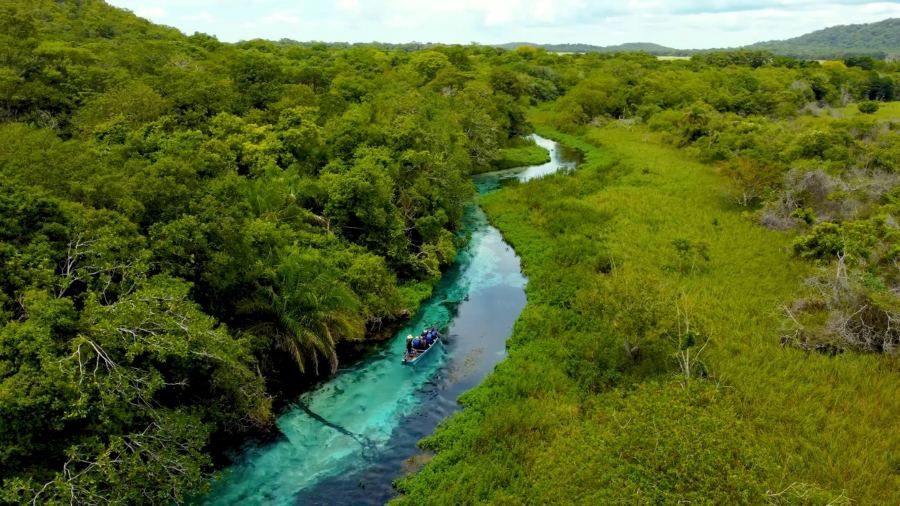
(346, 440)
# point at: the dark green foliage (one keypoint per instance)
(881, 87)
(868, 106)
(878, 40)
(863, 62)
(182, 220)
(747, 58)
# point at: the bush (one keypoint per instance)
(867, 107)
(856, 240)
(845, 315)
(750, 179)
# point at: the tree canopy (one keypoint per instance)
(184, 222)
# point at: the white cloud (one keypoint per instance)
(684, 24)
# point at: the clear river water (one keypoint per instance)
(347, 439)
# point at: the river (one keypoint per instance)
(346, 440)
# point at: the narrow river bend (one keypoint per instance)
(345, 441)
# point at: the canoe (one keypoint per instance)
(416, 355)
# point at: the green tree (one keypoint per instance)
(310, 310)
(429, 63)
(868, 107)
(257, 77)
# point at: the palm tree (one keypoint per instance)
(307, 310)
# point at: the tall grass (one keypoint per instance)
(573, 417)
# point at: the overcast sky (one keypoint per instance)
(681, 24)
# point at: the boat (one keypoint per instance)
(411, 357)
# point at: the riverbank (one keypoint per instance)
(344, 441)
(592, 404)
(520, 156)
(522, 152)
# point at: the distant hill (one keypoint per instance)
(881, 39)
(647, 47)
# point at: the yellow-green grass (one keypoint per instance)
(557, 425)
(828, 418)
(887, 111)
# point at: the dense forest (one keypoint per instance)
(881, 39)
(187, 226)
(190, 228)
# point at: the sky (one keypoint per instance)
(680, 24)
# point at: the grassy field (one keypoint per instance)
(886, 111)
(618, 251)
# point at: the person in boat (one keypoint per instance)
(409, 346)
(419, 343)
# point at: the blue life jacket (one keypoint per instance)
(416, 343)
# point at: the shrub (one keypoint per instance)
(750, 179)
(867, 106)
(850, 315)
(855, 240)
(825, 194)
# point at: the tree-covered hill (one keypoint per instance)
(647, 47)
(881, 39)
